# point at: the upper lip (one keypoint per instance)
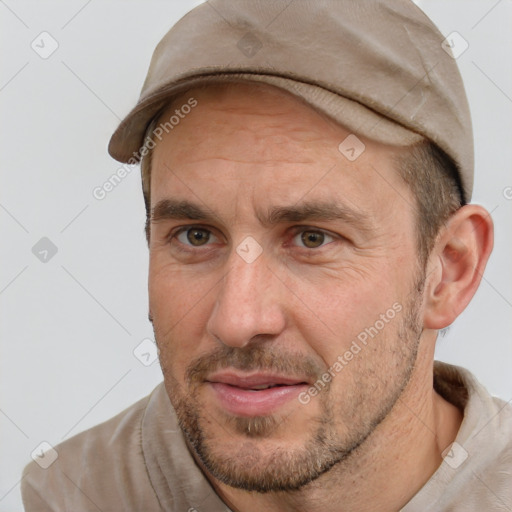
(254, 379)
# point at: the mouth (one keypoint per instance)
(258, 394)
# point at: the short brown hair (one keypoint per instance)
(433, 178)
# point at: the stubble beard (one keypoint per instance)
(251, 467)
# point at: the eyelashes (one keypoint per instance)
(303, 237)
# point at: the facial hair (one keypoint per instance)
(251, 467)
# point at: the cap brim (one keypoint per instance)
(127, 141)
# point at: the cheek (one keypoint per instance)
(354, 333)
(180, 303)
(175, 291)
(342, 304)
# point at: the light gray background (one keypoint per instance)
(70, 325)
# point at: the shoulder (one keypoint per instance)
(485, 444)
(100, 468)
(476, 472)
(487, 461)
(496, 438)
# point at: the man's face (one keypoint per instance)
(276, 261)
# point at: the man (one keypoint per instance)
(307, 169)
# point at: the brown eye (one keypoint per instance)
(312, 239)
(194, 236)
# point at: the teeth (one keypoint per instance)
(264, 386)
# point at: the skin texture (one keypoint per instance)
(374, 435)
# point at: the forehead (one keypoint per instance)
(242, 137)
(257, 116)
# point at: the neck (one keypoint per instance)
(386, 471)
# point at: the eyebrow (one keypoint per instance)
(171, 209)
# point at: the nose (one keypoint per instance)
(248, 303)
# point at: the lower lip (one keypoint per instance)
(244, 402)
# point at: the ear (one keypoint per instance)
(456, 264)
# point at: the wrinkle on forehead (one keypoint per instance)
(263, 113)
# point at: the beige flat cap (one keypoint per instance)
(378, 67)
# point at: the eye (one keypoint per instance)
(196, 237)
(312, 239)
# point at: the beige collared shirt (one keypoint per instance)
(139, 460)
